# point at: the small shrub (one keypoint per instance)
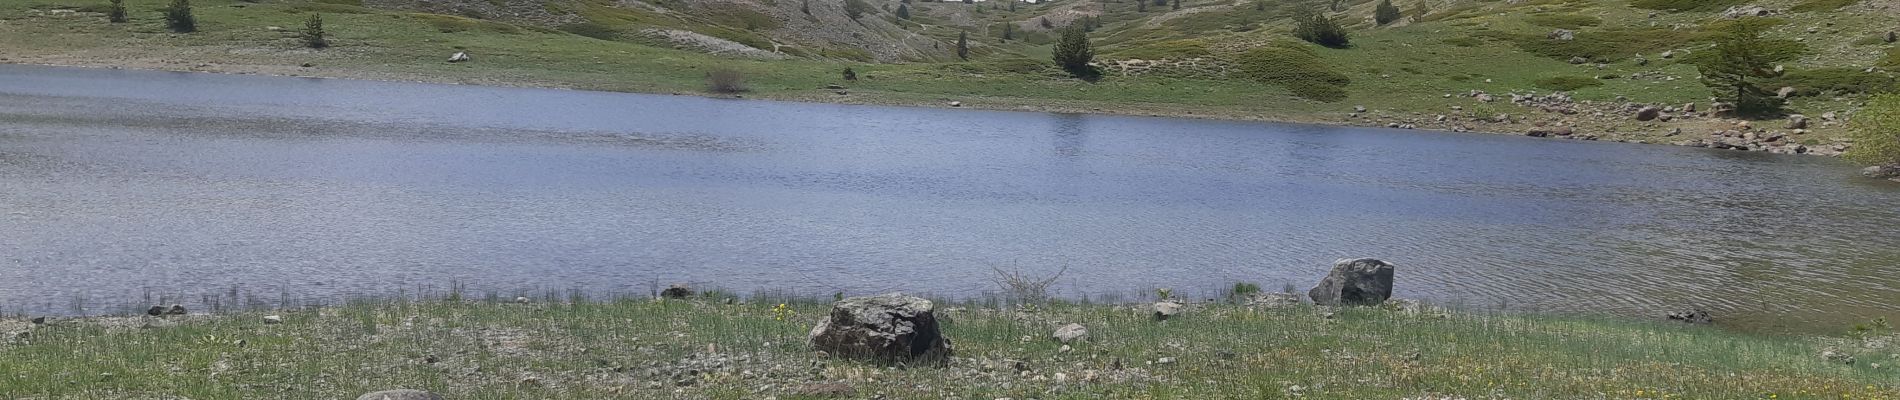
(313, 35)
(1022, 288)
(1876, 132)
(1243, 290)
(725, 80)
(1386, 13)
(1565, 21)
(850, 75)
(116, 11)
(178, 17)
(1463, 41)
(1566, 83)
(1821, 5)
(1316, 28)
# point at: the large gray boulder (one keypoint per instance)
(887, 327)
(399, 394)
(1354, 281)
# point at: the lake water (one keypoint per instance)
(121, 185)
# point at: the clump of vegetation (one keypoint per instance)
(1386, 13)
(1821, 5)
(1566, 83)
(1565, 21)
(963, 45)
(178, 17)
(313, 34)
(593, 30)
(1073, 52)
(850, 75)
(1317, 28)
(903, 11)
(1876, 132)
(1296, 68)
(1736, 69)
(116, 11)
(1243, 290)
(1892, 60)
(1022, 288)
(725, 80)
(1686, 5)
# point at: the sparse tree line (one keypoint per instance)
(179, 18)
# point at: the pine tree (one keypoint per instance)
(1315, 27)
(963, 45)
(313, 34)
(1741, 60)
(903, 11)
(178, 17)
(1386, 13)
(1073, 51)
(117, 12)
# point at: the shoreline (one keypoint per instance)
(1008, 104)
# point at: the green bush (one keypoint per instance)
(1821, 5)
(1892, 60)
(1565, 21)
(1386, 13)
(1566, 83)
(1295, 68)
(178, 17)
(1073, 52)
(1876, 132)
(1686, 5)
(115, 12)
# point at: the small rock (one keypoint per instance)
(677, 291)
(522, 300)
(1166, 309)
(1828, 116)
(1071, 332)
(273, 28)
(1837, 357)
(308, 65)
(273, 319)
(1485, 97)
(1579, 60)
(175, 310)
(1164, 361)
(1354, 281)
(1359, 109)
(1692, 316)
(1785, 91)
(1561, 35)
(1688, 108)
(155, 311)
(39, 320)
(1648, 113)
(399, 394)
(956, 104)
(459, 57)
(1501, 118)
(1797, 121)
(1893, 36)
(1669, 54)
(1065, 348)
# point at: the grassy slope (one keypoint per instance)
(1401, 72)
(693, 349)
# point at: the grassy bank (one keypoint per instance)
(706, 348)
(1419, 73)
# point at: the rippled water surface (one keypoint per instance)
(116, 185)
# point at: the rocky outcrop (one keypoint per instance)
(1882, 172)
(1561, 34)
(1070, 333)
(1355, 281)
(399, 394)
(1648, 113)
(888, 327)
(1746, 11)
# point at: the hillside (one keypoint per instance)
(1491, 66)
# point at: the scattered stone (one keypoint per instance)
(1785, 91)
(1746, 11)
(273, 28)
(1837, 357)
(1648, 113)
(155, 311)
(39, 320)
(956, 104)
(1641, 61)
(308, 65)
(890, 327)
(1561, 35)
(1071, 332)
(1665, 117)
(175, 310)
(1828, 116)
(459, 57)
(1692, 316)
(1579, 60)
(1797, 121)
(1674, 131)
(1354, 281)
(1359, 109)
(1501, 118)
(1667, 54)
(1164, 361)
(1688, 108)
(399, 394)
(1881, 172)
(1166, 309)
(273, 319)
(677, 291)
